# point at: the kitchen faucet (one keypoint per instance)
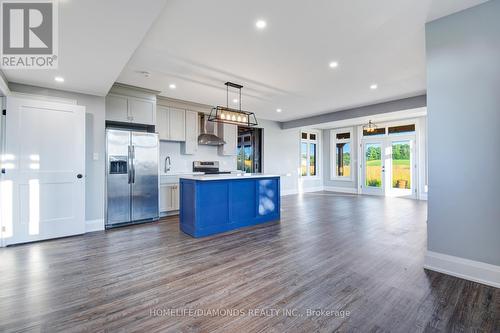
(167, 168)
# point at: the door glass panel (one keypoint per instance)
(303, 159)
(401, 165)
(373, 162)
(240, 155)
(248, 155)
(344, 159)
(312, 159)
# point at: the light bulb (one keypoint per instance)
(233, 118)
(239, 119)
(222, 116)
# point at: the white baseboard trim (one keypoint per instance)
(94, 225)
(423, 196)
(305, 190)
(287, 192)
(350, 190)
(312, 189)
(463, 268)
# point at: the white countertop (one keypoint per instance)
(181, 173)
(228, 176)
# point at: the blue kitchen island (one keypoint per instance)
(211, 204)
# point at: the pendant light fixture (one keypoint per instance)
(225, 114)
(370, 127)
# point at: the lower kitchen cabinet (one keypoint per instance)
(169, 198)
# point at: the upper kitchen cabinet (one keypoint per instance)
(126, 104)
(117, 108)
(228, 133)
(190, 146)
(171, 123)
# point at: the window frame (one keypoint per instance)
(317, 158)
(333, 153)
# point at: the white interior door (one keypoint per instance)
(43, 189)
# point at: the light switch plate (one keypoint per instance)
(96, 156)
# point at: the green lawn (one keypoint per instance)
(374, 163)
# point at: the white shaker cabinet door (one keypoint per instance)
(177, 124)
(192, 125)
(117, 108)
(162, 123)
(142, 111)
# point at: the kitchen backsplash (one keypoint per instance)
(184, 163)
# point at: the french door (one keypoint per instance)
(42, 185)
(373, 167)
(388, 166)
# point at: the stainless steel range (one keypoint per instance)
(208, 167)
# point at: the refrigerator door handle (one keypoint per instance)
(132, 148)
(129, 164)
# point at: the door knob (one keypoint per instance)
(79, 176)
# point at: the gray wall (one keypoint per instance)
(94, 143)
(463, 96)
(363, 111)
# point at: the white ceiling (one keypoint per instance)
(96, 39)
(199, 45)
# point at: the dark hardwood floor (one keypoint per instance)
(358, 257)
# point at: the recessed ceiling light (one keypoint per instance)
(59, 79)
(333, 64)
(278, 110)
(260, 24)
(235, 101)
(172, 86)
(373, 86)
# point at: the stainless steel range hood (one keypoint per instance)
(208, 133)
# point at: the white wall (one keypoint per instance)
(182, 163)
(282, 157)
(94, 144)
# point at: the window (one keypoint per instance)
(342, 145)
(404, 129)
(308, 154)
(377, 131)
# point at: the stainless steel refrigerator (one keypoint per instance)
(131, 177)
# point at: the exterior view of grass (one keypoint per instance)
(401, 174)
(401, 168)
(374, 173)
(373, 165)
(401, 165)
